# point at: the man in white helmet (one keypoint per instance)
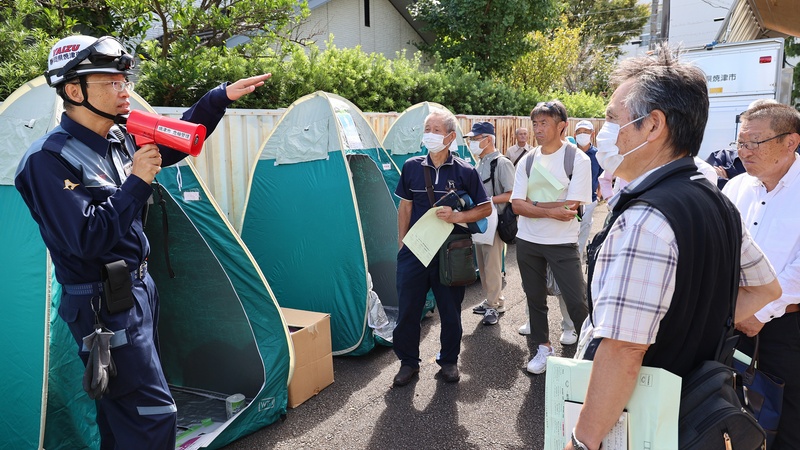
(86, 184)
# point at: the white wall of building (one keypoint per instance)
(691, 23)
(388, 32)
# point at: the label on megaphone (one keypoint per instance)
(180, 135)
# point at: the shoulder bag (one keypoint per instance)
(506, 219)
(456, 257)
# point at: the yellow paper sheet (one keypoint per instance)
(427, 235)
(542, 185)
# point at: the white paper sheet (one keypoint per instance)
(487, 237)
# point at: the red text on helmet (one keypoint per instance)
(66, 48)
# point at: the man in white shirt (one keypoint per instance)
(767, 197)
(546, 196)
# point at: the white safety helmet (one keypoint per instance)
(79, 55)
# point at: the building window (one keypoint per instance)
(366, 13)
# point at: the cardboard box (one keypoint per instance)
(313, 358)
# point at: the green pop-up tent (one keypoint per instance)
(319, 218)
(221, 329)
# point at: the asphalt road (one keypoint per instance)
(496, 405)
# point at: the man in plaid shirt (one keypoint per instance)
(664, 271)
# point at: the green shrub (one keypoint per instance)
(582, 104)
(371, 81)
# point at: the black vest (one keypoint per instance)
(708, 230)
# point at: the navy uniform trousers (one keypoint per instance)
(413, 282)
(138, 411)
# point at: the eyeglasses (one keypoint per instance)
(118, 86)
(752, 145)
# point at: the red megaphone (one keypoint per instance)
(180, 135)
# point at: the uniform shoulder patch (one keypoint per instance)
(70, 185)
(55, 142)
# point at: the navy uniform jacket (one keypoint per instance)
(89, 211)
(454, 172)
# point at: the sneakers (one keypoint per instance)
(539, 362)
(568, 337)
(526, 328)
(490, 317)
(484, 305)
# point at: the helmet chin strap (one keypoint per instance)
(85, 103)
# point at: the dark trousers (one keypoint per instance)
(138, 410)
(565, 262)
(413, 282)
(779, 355)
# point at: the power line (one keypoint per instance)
(605, 11)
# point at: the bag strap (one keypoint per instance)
(164, 228)
(569, 161)
(429, 185)
(729, 338)
(492, 167)
(524, 151)
(750, 372)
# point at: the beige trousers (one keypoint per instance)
(490, 268)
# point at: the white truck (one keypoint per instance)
(737, 74)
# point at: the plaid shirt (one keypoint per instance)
(634, 276)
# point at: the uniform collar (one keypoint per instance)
(94, 141)
(448, 162)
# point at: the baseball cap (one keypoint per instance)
(481, 128)
(585, 124)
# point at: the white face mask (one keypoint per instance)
(475, 148)
(433, 142)
(583, 139)
(607, 151)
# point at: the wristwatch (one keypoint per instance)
(578, 444)
(535, 203)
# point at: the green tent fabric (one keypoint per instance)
(221, 329)
(319, 217)
(403, 139)
(25, 272)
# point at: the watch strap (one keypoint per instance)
(576, 443)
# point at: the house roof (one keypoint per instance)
(757, 19)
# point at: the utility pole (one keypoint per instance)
(653, 24)
(665, 21)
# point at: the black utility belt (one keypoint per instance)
(115, 285)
